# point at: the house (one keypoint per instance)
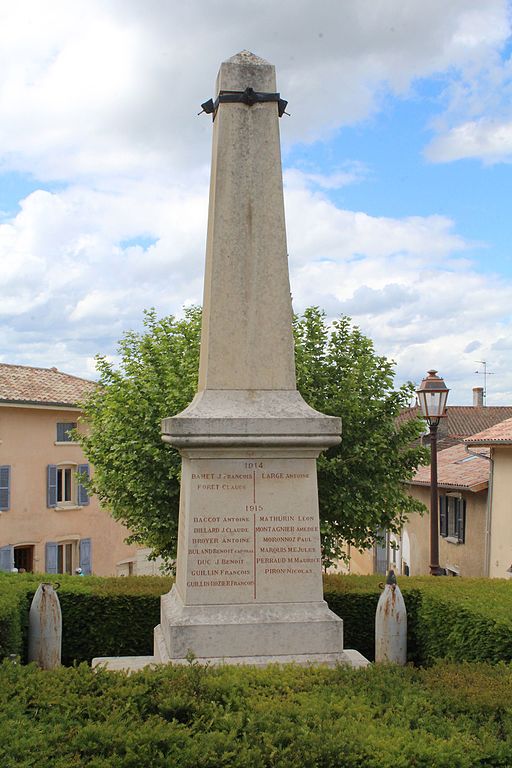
(463, 480)
(463, 483)
(48, 522)
(498, 537)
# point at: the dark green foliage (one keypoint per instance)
(113, 625)
(455, 619)
(136, 475)
(361, 482)
(447, 618)
(192, 717)
(100, 617)
(13, 609)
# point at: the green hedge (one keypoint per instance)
(449, 716)
(13, 611)
(447, 618)
(100, 617)
(459, 619)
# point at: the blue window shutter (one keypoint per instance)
(6, 558)
(63, 430)
(461, 519)
(83, 496)
(443, 516)
(5, 487)
(86, 556)
(50, 557)
(51, 487)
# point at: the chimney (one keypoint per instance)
(478, 397)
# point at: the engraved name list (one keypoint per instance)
(240, 547)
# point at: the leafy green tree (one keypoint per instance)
(136, 475)
(361, 481)
(338, 372)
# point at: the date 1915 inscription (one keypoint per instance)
(246, 542)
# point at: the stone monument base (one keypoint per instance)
(232, 631)
(257, 635)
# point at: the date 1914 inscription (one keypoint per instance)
(240, 539)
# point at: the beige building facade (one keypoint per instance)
(48, 522)
(475, 500)
(463, 480)
(498, 542)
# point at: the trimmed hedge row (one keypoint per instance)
(449, 716)
(459, 619)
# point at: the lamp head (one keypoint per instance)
(432, 395)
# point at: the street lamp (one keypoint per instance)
(432, 395)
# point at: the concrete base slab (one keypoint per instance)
(123, 663)
(135, 663)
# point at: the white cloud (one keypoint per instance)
(114, 87)
(408, 283)
(103, 95)
(488, 140)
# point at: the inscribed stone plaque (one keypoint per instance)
(251, 532)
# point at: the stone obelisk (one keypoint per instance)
(249, 583)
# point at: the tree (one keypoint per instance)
(136, 475)
(361, 481)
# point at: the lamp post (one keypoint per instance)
(432, 395)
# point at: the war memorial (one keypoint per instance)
(249, 578)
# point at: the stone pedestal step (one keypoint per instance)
(135, 663)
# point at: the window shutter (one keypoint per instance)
(51, 487)
(443, 516)
(5, 487)
(461, 519)
(51, 551)
(83, 496)
(63, 430)
(6, 558)
(86, 556)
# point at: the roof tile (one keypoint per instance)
(25, 384)
(497, 434)
(461, 421)
(457, 468)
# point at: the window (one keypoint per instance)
(5, 487)
(67, 556)
(452, 518)
(64, 484)
(63, 488)
(6, 558)
(381, 551)
(63, 431)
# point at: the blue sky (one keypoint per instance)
(396, 163)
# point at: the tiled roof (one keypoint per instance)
(456, 468)
(499, 434)
(462, 421)
(24, 384)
